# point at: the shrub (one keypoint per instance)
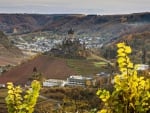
(131, 91)
(19, 103)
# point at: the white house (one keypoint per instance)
(2, 85)
(79, 81)
(52, 82)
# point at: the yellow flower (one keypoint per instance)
(128, 49)
(121, 60)
(119, 45)
(121, 55)
(130, 65)
(9, 85)
(123, 69)
(121, 50)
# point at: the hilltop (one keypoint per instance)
(109, 27)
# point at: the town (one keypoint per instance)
(44, 43)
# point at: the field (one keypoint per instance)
(86, 67)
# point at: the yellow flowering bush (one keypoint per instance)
(131, 91)
(19, 103)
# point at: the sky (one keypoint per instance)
(103, 7)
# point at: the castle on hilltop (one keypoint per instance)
(70, 47)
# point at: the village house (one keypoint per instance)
(78, 80)
(52, 83)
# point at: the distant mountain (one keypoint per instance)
(107, 26)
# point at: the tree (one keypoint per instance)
(36, 75)
(19, 103)
(34, 69)
(131, 92)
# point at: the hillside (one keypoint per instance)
(139, 42)
(8, 52)
(53, 68)
(48, 66)
(109, 27)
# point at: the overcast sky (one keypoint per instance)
(75, 6)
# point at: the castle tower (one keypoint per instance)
(71, 34)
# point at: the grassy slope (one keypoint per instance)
(86, 67)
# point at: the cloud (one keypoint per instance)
(74, 6)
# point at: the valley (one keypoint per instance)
(73, 54)
(28, 36)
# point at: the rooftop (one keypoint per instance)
(80, 77)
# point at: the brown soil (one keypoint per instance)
(9, 60)
(54, 68)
